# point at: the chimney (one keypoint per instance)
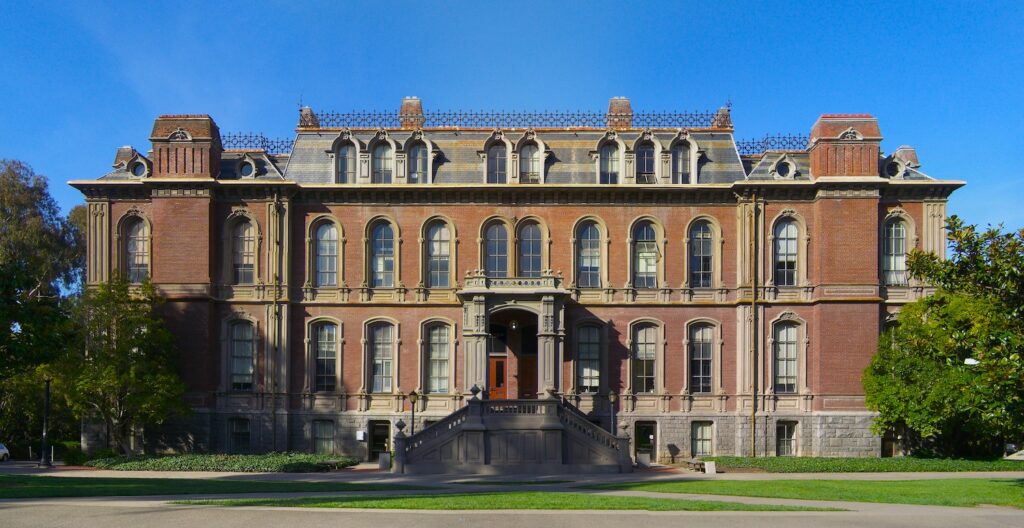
(907, 155)
(620, 113)
(723, 118)
(124, 155)
(410, 115)
(845, 145)
(308, 118)
(186, 146)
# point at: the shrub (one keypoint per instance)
(271, 463)
(74, 456)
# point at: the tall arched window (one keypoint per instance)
(496, 250)
(382, 256)
(419, 171)
(346, 163)
(438, 344)
(529, 164)
(325, 347)
(645, 348)
(381, 163)
(137, 251)
(609, 170)
(701, 255)
(645, 163)
(243, 252)
(438, 255)
(784, 350)
(326, 255)
(381, 343)
(681, 162)
(785, 252)
(645, 256)
(588, 359)
(894, 254)
(701, 354)
(496, 164)
(242, 355)
(588, 256)
(529, 250)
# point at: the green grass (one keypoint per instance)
(939, 492)
(861, 465)
(511, 482)
(271, 463)
(27, 486)
(522, 500)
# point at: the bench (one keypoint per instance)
(702, 466)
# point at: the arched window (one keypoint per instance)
(529, 250)
(701, 255)
(784, 351)
(381, 163)
(137, 251)
(609, 171)
(529, 164)
(645, 348)
(438, 352)
(346, 163)
(242, 356)
(681, 163)
(645, 256)
(894, 254)
(785, 252)
(496, 250)
(325, 347)
(381, 343)
(588, 359)
(438, 255)
(326, 255)
(419, 172)
(645, 163)
(701, 354)
(382, 256)
(588, 256)
(496, 164)
(243, 252)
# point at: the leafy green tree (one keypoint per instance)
(951, 373)
(124, 374)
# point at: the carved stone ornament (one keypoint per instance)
(611, 135)
(179, 135)
(683, 135)
(382, 134)
(788, 212)
(133, 211)
(530, 134)
(417, 134)
(345, 135)
(850, 134)
(497, 135)
(646, 134)
(788, 316)
(896, 212)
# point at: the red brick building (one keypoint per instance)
(650, 259)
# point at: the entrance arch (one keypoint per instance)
(512, 355)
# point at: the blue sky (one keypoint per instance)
(81, 79)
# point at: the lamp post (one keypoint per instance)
(413, 397)
(612, 398)
(45, 461)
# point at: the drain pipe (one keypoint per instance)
(753, 325)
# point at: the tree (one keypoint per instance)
(951, 373)
(124, 374)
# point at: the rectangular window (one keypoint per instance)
(785, 439)
(437, 360)
(590, 262)
(700, 261)
(239, 435)
(701, 348)
(383, 262)
(323, 437)
(785, 346)
(244, 253)
(588, 359)
(438, 261)
(381, 342)
(894, 254)
(644, 354)
(700, 439)
(326, 262)
(242, 348)
(326, 354)
(646, 264)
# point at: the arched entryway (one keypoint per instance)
(512, 355)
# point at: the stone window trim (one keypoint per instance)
(803, 349)
(793, 444)
(347, 138)
(510, 230)
(225, 357)
(633, 165)
(309, 382)
(367, 360)
(368, 252)
(423, 345)
(124, 224)
(453, 249)
(605, 249)
(238, 215)
(514, 241)
(661, 244)
(897, 214)
(717, 249)
(365, 171)
(803, 245)
(659, 360)
(717, 355)
(404, 162)
(516, 159)
(498, 138)
(683, 139)
(695, 426)
(610, 137)
(779, 171)
(602, 332)
(311, 252)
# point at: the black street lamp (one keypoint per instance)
(44, 460)
(413, 397)
(612, 398)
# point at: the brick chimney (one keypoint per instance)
(411, 113)
(620, 113)
(908, 155)
(186, 146)
(845, 145)
(308, 118)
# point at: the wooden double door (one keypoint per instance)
(513, 364)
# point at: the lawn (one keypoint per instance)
(26, 486)
(940, 492)
(270, 462)
(511, 482)
(523, 500)
(862, 465)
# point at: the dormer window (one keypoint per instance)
(346, 163)
(681, 163)
(529, 164)
(609, 164)
(645, 163)
(784, 169)
(496, 164)
(381, 164)
(418, 171)
(246, 169)
(138, 169)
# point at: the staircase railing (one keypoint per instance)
(443, 427)
(572, 417)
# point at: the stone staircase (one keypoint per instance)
(512, 436)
